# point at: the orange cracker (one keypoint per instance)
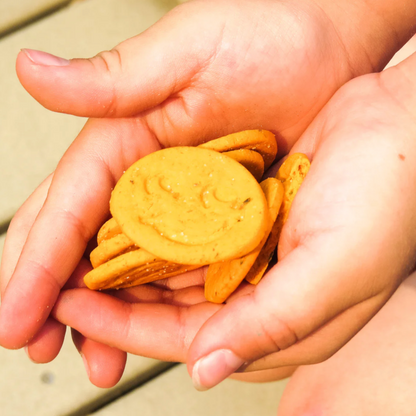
(108, 230)
(262, 141)
(132, 269)
(110, 248)
(223, 278)
(190, 205)
(250, 159)
(291, 174)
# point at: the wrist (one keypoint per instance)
(370, 31)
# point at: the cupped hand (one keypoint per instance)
(348, 244)
(205, 70)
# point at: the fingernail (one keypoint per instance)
(26, 348)
(44, 58)
(86, 365)
(214, 368)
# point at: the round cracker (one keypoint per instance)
(110, 248)
(132, 269)
(108, 230)
(250, 159)
(224, 278)
(190, 205)
(261, 141)
(291, 174)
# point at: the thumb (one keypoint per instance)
(136, 75)
(302, 312)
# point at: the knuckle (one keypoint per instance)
(278, 334)
(81, 230)
(184, 337)
(109, 63)
(48, 275)
(126, 329)
(274, 332)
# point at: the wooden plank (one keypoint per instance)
(14, 14)
(172, 393)
(61, 387)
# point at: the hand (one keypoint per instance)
(205, 70)
(194, 76)
(348, 244)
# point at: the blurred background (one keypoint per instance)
(32, 140)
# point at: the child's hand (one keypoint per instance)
(207, 69)
(348, 244)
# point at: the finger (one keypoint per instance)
(256, 325)
(104, 364)
(186, 328)
(47, 343)
(265, 376)
(120, 82)
(156, 331)
(18, 231)
(76, 280)
(321, 344)
(243, 290)
(76, 206)
(45, 346)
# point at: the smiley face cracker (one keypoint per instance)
(223, 278)
(262, 141)
(190, 205)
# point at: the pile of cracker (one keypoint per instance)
(182, 208)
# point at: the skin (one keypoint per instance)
(216, 88)
(373, 374)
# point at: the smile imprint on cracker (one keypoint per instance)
(182, 208)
